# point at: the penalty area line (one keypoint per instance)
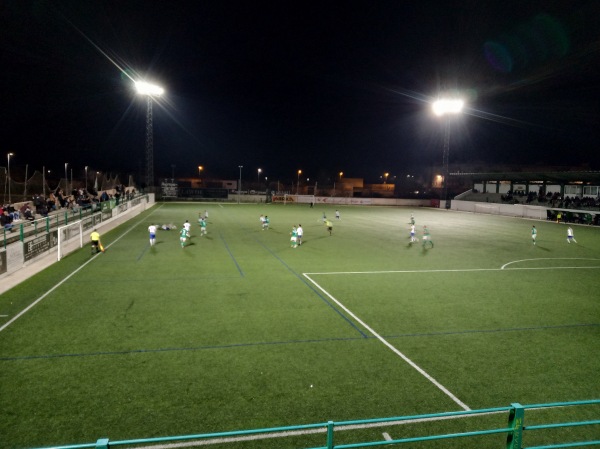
(457, 270)
(548, 258)
(391, 347)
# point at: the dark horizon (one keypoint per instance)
(321, 88)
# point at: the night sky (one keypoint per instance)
(323, 86)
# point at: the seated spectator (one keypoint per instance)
(12, 212)
(52, 202)
(6, 221)
(27, 213)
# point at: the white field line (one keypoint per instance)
(387, 437)
(548, 258)
(464, 270)
(390, 346)
(30, 306)
(290, 433)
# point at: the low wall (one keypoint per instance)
(21, 260)
(515, 210)
(356, 201)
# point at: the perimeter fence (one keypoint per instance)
(513, 431)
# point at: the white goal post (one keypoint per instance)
(70, 237)
(493, 209)
(300, 199)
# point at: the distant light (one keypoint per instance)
(148, 89)
(442, 107)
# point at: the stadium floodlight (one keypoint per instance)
(447, 107)
(144, 88)
(150, 91)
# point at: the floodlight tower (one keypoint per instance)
(447, 108)
(150, 91)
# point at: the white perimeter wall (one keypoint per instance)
(511, 210)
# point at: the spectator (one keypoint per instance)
(27, 213)
(6, 220)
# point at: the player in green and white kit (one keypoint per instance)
(202, 222)
(183, 236)
(426, 237)
(294, 238)
(533, 234)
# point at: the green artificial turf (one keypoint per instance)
(239, 330)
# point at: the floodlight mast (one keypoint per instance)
(150, 91)
(447, 108)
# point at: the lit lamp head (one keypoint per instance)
(447, 107)
(144, 88)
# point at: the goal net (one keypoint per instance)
(487, 209)
(70, 238)
(304, 199)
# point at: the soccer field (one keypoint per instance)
(238, 330)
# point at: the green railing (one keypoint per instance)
(514, 430)
(54, 220)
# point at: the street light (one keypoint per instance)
(200, 168)
(66, 179)
(150, 91)
(341, 174)
(385, 177)
(240, 183)
(8, 175)
(298, 183)
(447, 108)
(86, 184)
(258, 177)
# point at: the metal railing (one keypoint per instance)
(514, 430)
(54, 220)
